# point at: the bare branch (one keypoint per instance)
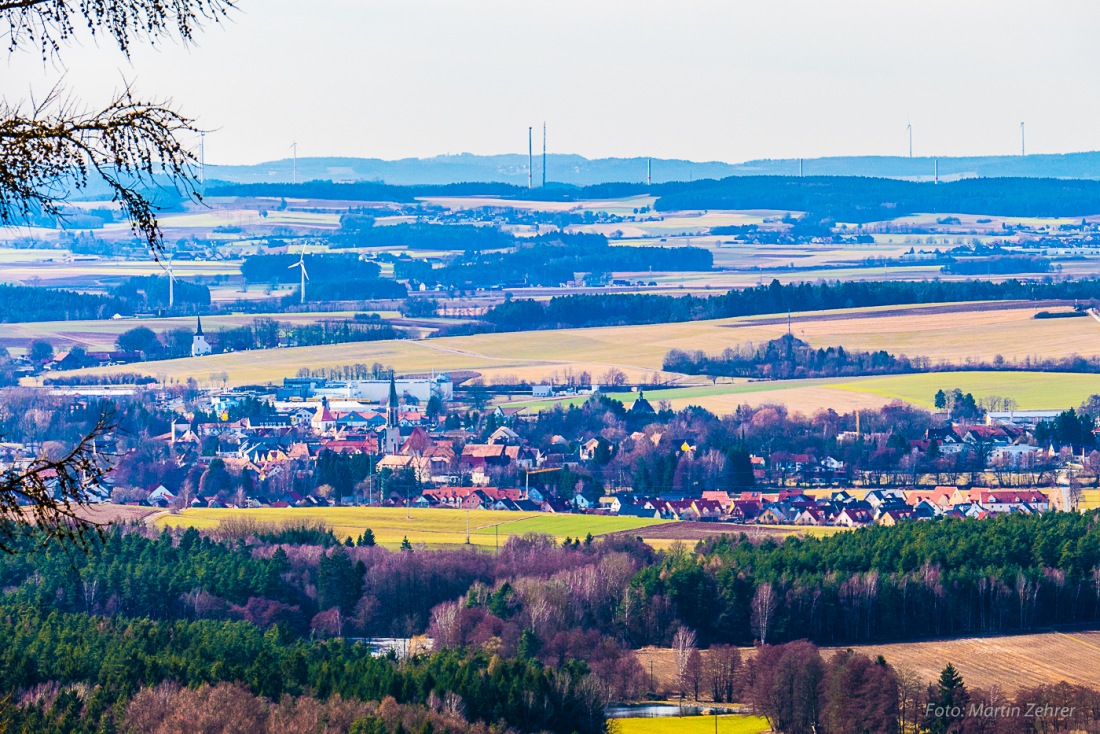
(49, 494)
(47, 24)
(54, 148)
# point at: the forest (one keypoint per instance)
(861, 200)
(19, 303)
(625, 308)
(538, 636)
(839, 198)
(551, 260)
(356, 231)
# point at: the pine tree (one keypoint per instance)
(405, 544)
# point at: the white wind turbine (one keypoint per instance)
(171, 284)
(301, 265)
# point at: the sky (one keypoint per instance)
(726, 80)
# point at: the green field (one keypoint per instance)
(433, 528)
(1031, 390)
(734, 724)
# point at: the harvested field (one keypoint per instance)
(1011, 662)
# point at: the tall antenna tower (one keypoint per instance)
(1023, 151)
(544, 154)
(530, 160)
(909, 128)
(294, 169)
(800, 168)
(936, 169)
(202, 161)
(649, 172)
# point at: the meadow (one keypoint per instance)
(432, 528)
(732, 724)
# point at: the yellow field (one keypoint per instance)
(691, 725)
(432, 528)
(974, 334)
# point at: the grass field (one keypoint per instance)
(1011, 662)
(691, 725)
(432, 528)
(1032, 390)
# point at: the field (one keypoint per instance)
(957, 334)
(101, 335)
(1011, 662)
(431, 528)
(692, 725)
(1032, 390)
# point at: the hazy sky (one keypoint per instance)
(701, 79)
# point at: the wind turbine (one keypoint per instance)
(171, 284)
(909, 128)
(301, 264)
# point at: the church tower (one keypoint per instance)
(199, 345)
(393, 420)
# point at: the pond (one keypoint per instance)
(659, 710)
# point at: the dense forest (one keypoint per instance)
(357, 232)
(551, 260)
(20, 303)
(859, 200)
(537, 636)
(839, 198)
(150, 293)
(625, 308)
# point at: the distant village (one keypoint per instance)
(317, 442)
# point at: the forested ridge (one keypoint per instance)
(840, 198)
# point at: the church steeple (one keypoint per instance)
(392, 434)
(392, 418)
(199, 345)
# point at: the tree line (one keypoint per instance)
(788, 357)
(839, 198)
(625, 308)
(551, 260)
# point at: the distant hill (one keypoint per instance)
(579, 171)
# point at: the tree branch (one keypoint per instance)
(47, 24)
(53, 148)
(48, 494)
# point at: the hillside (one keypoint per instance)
(580, 171)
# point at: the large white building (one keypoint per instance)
(378, 391)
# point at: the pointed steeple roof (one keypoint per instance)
(198, 326)
(392, 418)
